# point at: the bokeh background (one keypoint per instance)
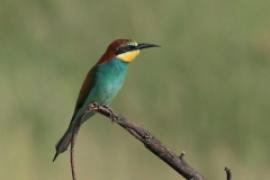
(206, 91)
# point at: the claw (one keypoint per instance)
(111, 114)
(93, 105)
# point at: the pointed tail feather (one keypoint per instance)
(73, 128)
(64, 142)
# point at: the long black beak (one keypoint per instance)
(146, 45)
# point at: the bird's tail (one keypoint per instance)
(64, 142)
(72, 130)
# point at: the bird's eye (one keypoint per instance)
(131, 47)
(126, 49)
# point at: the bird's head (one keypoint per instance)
(124, 49)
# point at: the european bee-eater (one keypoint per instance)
(102, 83)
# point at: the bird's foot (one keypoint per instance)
(113, 115)
(93, 105)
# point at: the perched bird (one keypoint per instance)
(102, 83)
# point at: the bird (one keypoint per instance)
(102, 83)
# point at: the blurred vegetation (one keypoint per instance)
(206, 91)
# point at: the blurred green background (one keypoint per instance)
(206, 91)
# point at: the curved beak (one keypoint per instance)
(146, 45)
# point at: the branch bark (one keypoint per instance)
(177, 162)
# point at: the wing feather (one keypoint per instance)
(86, 87)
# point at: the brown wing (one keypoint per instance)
(86, 87)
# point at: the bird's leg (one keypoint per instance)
(95, 106)
(113, 116)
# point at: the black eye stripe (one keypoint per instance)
(126, 49)
(131, 47)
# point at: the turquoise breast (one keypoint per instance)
(109, 79)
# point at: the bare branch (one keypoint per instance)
(72, 159)
(228, 173)
(151, 143)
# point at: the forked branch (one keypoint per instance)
(177, 162)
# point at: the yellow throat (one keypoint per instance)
(128, 56)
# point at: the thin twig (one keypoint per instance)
(72, 158)
(228, 173)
